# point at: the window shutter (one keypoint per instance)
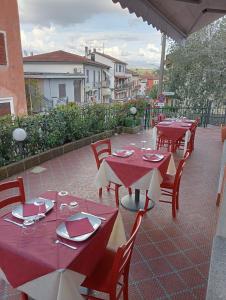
(3, 60)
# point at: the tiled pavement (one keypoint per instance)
(171, 257)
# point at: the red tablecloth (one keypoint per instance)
(26, 256)
(174, 130)
(131, 168)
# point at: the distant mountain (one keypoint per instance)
(145, 72)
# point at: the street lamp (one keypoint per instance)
(133, 112)
(19, 135)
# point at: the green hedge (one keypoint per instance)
(62, 125)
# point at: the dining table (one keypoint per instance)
(138, 171)
(31, 260)
(174, 131)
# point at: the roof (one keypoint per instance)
(62, 57)
(176, 18)
(110, 57)
(45, 75)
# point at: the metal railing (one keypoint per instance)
(206, 115)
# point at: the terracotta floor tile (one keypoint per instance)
(183, 243)
(172, 283)
(166, 247)
(196, 256)
(159, 266)
(191, 277)
(149, 251)
(140, 271)
(151, 290)
(178, 261)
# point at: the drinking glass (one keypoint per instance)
(143, 145)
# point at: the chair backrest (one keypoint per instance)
(180, 170)
(5, 186)
(101, 149)
(161, 117)
(123, 255)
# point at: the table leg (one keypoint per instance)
(136, 201)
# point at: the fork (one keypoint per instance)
(15, 223)
(62, 243)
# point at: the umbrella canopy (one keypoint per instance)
(176, 18)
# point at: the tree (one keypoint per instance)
(154, 92)
(197, 70)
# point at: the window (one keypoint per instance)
(87, 76)
(62, 90)
(98, 76)
(120, 68)
(6, 106)
(3, 58)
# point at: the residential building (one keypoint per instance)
(12, 93)
(64, 77)
(117, 74)
(133, 84)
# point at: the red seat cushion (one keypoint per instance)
(168, 182)
(100, 278)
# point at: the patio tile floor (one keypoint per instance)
(171, 257)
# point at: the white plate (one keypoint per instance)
(63, 193)
(122, 153)
(62, 230)
(17, 211)
(153, 157)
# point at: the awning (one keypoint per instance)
(176, 18)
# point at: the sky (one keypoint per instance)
(70, 25)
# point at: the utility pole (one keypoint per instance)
(161, 71)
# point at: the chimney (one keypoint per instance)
(86, 51)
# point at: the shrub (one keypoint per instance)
(62, 125)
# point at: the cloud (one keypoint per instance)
(67, 12)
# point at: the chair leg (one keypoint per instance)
(125, 288)
(100, 192)
(177, 201)
(174, 206)
(117, 195)
(23, 296)
(146, 202)
(130, 191)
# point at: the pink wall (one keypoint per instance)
(12, 76)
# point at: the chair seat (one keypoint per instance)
(168, 182)
(99, 279)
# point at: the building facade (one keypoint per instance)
(12, 92)
(64, 77)
(118, 77)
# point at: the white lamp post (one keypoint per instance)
(19, 135)
(133, 112)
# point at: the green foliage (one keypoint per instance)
(197, 72)
(63, 124)
(154, 92)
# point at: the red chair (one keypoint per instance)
(101, 150)
(171, 185)
(20, 197)
(112, 273)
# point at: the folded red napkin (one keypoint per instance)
(32, 209)
(79, 227)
